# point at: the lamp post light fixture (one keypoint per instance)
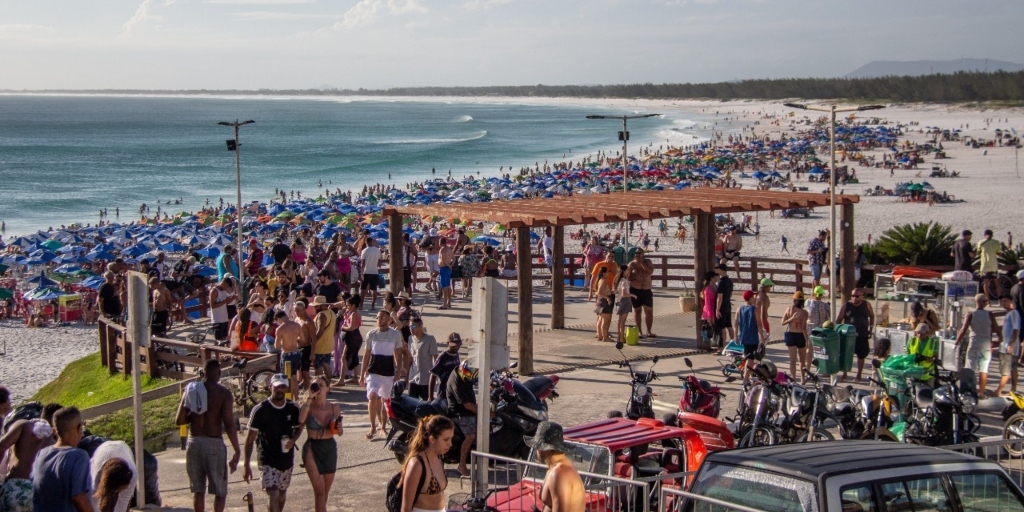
(624, 137)
(234, 145)
(832, 110)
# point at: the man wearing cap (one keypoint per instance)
(816, 256)
(749, 332)
(274, 423)
(423, 354)
(563, 488)
(963, 254)
(763, 302)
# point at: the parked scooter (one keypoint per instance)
(641, 397)
(699, 408)
(517, 414)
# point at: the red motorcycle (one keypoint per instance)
(699, 408)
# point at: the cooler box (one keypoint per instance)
(826, 350)
(847, 345)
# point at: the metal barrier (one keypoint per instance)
(514, 484)
(997, 450)
(674, 500)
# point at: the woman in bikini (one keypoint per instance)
(423, 478)
(320, 451)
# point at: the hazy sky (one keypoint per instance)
(218, 44)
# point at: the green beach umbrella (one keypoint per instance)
(65, 278)
(52, 245)
(6, 294)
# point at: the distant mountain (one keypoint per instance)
(880, 68)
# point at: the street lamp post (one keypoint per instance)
(832, 110)
(233, 145)
(624, 137)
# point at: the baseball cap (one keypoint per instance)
(278, 380)
(767, 282)
(747, 295)
(819, 291)
(548, 437)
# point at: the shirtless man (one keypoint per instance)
(733, 245)
(307, 335)
(446, 260)
(640, 271)
(763, 302)
(286, 339)
(162, 301)
(24, 438)
(563, 488)
(797, 335)
(205, 453)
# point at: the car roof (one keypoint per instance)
(619, 433)
(815, 460)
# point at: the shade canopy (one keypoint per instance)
(619, 206)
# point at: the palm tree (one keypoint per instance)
(916, 244)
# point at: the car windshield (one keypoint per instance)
(586, 458)
(755, 489)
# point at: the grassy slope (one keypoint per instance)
(86, 383)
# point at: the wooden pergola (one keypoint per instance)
(560, 211)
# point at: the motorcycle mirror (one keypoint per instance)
(689, 364)
(514, 365)
(876, 363)
(618, 345)
(655, 360)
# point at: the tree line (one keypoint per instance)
(999, 86)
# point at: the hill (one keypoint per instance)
(880, 68)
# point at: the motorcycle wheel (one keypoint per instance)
(819, 435)
(1016, 422)
(761, 436)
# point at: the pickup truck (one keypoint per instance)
(852, 476)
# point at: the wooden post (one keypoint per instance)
(524, 295)
(703, 258)
(753, 274)
(664, 271)
(800, 276)
(395, 262)
(558, 279)
(847, 278)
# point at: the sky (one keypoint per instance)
(299, 44)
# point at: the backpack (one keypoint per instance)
(393, 495)
(26, 411)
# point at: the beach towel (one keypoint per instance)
(195, 397)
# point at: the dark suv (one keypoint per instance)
(854, 476)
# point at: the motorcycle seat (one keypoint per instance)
(423, 408)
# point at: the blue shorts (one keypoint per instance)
(296, 359)
(321, 359)
(816, 271)
(444, 277)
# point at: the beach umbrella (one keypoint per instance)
(6, 294)
(759, 175)
(65, 278)
(487, 240)
(173, 247)
(136, 250)
(100, 256)
(42, 280)
(93, 282)
(52, 245)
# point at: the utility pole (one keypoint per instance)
(624, 137)
(234, 145)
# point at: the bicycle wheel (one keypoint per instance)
(1003, 285)
(761, 436)
(819, 435)
(257, 388)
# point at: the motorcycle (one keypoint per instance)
(1013, 424)
(879, 414)
(699, 408)
(641, 398)
(807, 411)
(517, 412)
(945, 414)
(759, 411)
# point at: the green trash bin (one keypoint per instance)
(826, 350)
(847, 345)
(620, 255)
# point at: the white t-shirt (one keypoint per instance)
(549, 245)
(371, 260)
(1011, 323)
(114, 450)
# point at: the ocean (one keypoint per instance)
(64, 158)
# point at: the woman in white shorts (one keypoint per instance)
(381, 364)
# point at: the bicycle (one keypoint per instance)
(997, 284)
(247, 391)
